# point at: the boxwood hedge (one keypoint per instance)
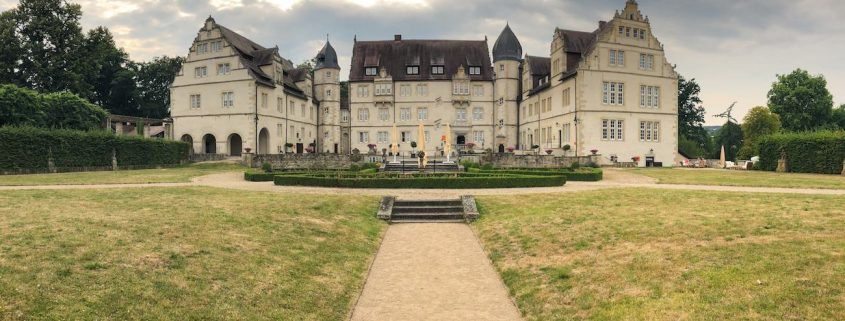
(811, 152)
(422, 181)
(583, 174)
(30, 149)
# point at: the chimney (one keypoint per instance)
(397, 37)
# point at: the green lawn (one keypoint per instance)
(182, 254)
(669, 255)
(743, 178)
(180, 174)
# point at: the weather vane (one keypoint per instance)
(727, 114)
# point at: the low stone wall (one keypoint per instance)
(207, 157)
(310, 161)
(536, 161)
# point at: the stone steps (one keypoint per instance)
(425, 211)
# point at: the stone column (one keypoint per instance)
(247, 159)
(782, 167)
(146, 130)
(118, 129)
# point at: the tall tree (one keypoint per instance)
(154, 79)
(801, 100)
(730, 136)
(690, 110)
(10, 48)
(105, 60)
(759, 122)
(124, 94)
(839, 117)
(51, 38)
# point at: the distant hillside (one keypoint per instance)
(712, 129)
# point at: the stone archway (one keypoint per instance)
(236, 145)
(501, 148)
(264, 142)
(461, 140)
(209, 143)
(190, 141)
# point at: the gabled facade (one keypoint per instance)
(233, 94)
(610, 90)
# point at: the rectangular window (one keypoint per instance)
(363, 137)
(405, 137)
(223, 69)
(291, 108)
(613, 93)
(621, 31)
(370, 71)
(196, 102)
(478, 136)
(383, 114)
(404, 114)
(649, 97)
(384, 89)
(200, 72)
(566, 97)
(422, 90)
(344, 116)
(302, 109)
(263, 100)
(650, 131)
(279, 103)
(566, 133)
(478, 113)
(461, 114)
(474, 70)
(617, 58)
(202, 48)
(363, 114)
(422, 113)
(427, 136)
(627, 31)
(382, 138)
(646, 62)
(478, 90)
(216, 46)
(405, 90)
(228, 99)
(460, 88)
(280, 130)
(612, 129)
(436, 70)
(412, 70)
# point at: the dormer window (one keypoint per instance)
(412, 70)
(474, 70)
(202, 48)
(216, 46)
(437, 70)
(371, 71)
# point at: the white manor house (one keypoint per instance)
(610, 89)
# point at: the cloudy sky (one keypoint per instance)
(733, 48)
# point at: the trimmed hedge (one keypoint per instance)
(30, 148)
(581, 175)
(810, 152)
(422, 181)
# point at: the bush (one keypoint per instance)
(424, 181)
(24, 107)
(575, 166)
(30, 148)
(487, 167)
(267, 167)
(580, 175)
(809, 152)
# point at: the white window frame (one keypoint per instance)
(412, 70)
(228, 98)
(474, 70)
(196, 101)
(223, 69)
(383, 114)
(437, 70)
(460, 114)
(649, 97)
(201, 72)
(478, 113)
(422, 113)
(363, 114)
(382, 137)
(613, 130)
(405, 114)
(650, 131)
(370, 71)
(613, 93)
(364, 137)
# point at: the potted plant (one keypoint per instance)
(548, 152)
(470, 147)
(594, 151)
(636, 159)
(309, 149)
(511, 149)
(566, 149)
(372, 148)
(413, 149)
(248, 150)
(288, 147)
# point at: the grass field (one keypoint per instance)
(182, 254)
(743, 178)
(670, 255)
(142, 176)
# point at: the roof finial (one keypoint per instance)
(327, 37)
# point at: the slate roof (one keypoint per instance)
(327, 57)
(396, 55)
(507, 46)
(540, 68)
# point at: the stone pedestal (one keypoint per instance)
(247, 159)
(113, 160)
(782, 166)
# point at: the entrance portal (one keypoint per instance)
(235, 145)
(461, 140)
(190, 141)
(264, 142)
(501, 148)
(209, 144)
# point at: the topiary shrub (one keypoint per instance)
(267, 167)
(809, 152)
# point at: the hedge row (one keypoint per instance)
(25, 107)
(579, 175)
(812, 152)
(422, 181)
(31, 148)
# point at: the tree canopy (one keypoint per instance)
(690, 109)
(730, 136)
(759, 122)
(801, 100)
(43, 47)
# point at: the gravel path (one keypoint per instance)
(433, 272)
